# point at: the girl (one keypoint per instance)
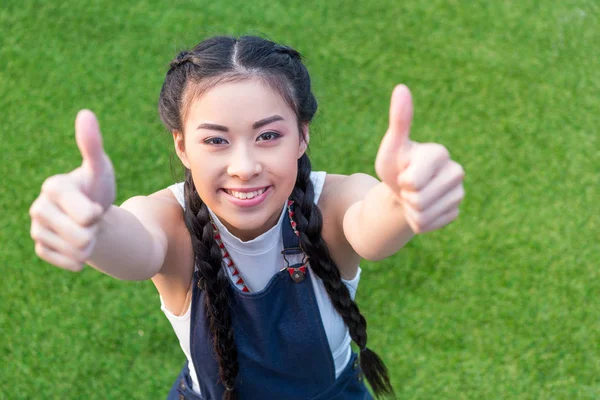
(255, 257)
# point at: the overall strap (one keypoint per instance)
(291, 245)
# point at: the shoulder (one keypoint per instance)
(163, 200)
(157, 211)
(162, 214)
(339, 193)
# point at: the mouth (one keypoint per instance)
(247, 198)
(246, 194)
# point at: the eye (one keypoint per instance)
(215, 141)
(268, 136)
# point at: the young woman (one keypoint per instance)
(255, 257)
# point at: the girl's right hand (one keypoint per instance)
(65, 216)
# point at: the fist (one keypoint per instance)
(424, 179)
(65, 216)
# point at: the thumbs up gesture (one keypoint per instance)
(422, 176)
(65, 216)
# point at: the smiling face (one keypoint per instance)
(241, 143)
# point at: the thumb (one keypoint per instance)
(89, 141)
(394, 151)
(401, 114)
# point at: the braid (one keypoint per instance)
(310, 221)
(287, 50)
(213, 279)
(181, 59)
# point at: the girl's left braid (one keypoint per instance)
(310, 222)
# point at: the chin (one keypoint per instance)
(251, 224)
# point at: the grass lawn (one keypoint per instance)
(504, 303)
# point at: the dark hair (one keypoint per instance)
(225, 59)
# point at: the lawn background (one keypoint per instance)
(501, 304)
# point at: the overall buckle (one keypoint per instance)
(296, 273)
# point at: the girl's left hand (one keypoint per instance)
(424, 179)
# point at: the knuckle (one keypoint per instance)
(52, 184)
(443, 151)
(36, 208)
(84, 240)
(412, 185)
(408, 180)
(418, 220)
(33, 209)
(416, 202)
(438, 149)
(90, 216)
(460, 171)
(41, 251)
(86, 215)
(35, 232)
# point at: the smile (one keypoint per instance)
(245, 195)
(247, 198)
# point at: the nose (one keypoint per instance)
(244, 164)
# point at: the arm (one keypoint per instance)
(375, 226)
(74, 221)
(132, 242)
(420, 191)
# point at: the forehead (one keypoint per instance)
(239, 103)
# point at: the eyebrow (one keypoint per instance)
(256, 125)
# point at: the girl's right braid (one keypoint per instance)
(310, 222)
(214, 281)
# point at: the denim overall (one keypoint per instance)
(283, 353)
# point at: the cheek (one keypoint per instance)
(287, 169)
(204, 162)
(288, 153)
(283, 164)
(205, 173)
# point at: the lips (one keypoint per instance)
(247, 197)
(244, 194)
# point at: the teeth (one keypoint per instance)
(246, 195)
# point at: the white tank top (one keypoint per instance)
(258, 260)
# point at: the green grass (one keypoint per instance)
(502, 304)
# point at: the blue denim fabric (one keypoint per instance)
(283, 352)
(182, 388)
(349, 385)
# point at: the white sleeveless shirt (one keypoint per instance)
(258, 260)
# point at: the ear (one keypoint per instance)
(179, 141)
(304, 139)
